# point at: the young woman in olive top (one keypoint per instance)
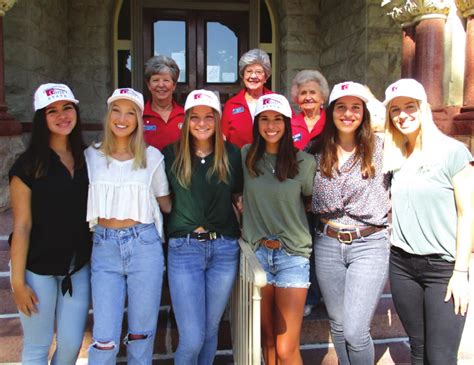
(278, 178)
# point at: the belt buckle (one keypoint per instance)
(213, 235)
(200, 237)
(341, 240)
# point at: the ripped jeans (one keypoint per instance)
(126, 263)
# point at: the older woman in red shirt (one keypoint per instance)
(310, 91)
(237, 119)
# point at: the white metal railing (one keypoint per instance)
(245, 308)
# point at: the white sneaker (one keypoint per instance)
(307, 310)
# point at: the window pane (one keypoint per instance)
(265, 24)
(124, 21)
(170, 40)
(221, 61)
(124, 68)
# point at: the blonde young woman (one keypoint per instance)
(128, 187)
(205, 174)
(433, 219)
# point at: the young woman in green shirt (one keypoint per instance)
(205, 175)
(277, 179)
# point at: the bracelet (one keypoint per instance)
(463, 271)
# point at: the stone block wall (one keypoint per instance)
(59, 41)
(299, 39)
(359, 42)
(35, 33)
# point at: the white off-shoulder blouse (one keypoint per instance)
(117, 190)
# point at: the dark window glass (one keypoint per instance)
(268, 84)
(222, 48)
(124, 68)
(265, 24)
(124, 21)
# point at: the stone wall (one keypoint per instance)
(59, 41)
(299, 39)
(10, 149)
(359, 42)
(35, 33)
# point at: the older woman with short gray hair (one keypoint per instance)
(309, 91)
(162, 116)
(237, 119)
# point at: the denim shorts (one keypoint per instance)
(284, 270)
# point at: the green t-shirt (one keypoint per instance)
(207, 202)
(424, 210)
(274, 208)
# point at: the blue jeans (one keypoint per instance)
(418, 284)
(68, 313)
(201, 275)
(351, 279)
(126, 262)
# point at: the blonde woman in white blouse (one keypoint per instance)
(128, 187)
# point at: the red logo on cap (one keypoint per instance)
(394, 88)
(197, 96)
(49, 92)
(124, 91)
(266, 101)
(344, 86)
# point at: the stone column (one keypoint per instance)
(8, 125)
(422, 22)
(408, 51)
(429, 60)
(467, 9)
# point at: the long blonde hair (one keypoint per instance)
(183, 164)
(136, 142)
(395, 143)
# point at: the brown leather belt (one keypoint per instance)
(271, 244)
(347, 235)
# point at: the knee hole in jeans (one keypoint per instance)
(134, 337)
(104, 345)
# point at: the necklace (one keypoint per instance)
(269, 163)
(203, 155)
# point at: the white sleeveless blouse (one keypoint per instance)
(116, 190)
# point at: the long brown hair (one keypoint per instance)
(286, 163)
(326, 145)
(185, 154)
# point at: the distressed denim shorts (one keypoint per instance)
(284, 270)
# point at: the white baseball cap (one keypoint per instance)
(49, 93)
(349, 88)
(203, 97)
(405, 87)
(276, 102)
(129, 94)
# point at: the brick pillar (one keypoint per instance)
(429, 58)
(468, 96)
(8, 125)
(408, 51)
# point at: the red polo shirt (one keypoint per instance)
(159, 133)
(299, 129)
(237, 123)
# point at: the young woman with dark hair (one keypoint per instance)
(278, 179)
(205, 175)
(51, 243)
(351, 201)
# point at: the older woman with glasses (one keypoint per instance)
(239, 111)
(162, 116)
